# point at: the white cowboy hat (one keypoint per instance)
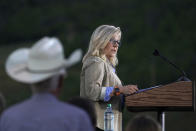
(43, 60)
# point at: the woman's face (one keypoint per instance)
(112, 46)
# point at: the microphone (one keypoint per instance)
(184, 76)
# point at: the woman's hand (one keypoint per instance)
(128, 89)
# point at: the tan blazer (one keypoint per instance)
(96, 76)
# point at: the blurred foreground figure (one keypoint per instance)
(2, 103)
(143, 123)
(87, 105)
(43, 68)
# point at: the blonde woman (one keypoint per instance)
(99, 81)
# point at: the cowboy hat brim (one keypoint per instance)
(16, 66)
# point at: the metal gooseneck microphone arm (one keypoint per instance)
(184, 76)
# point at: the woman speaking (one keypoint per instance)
(99, 81)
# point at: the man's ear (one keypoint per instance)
(57, 91)
(60, 83)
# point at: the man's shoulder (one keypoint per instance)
(61, 109)
(79, 115)
(60, 112)
(14, 109)
(73, 109)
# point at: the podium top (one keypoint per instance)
(176, 96)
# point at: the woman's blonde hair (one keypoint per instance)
(99, 40)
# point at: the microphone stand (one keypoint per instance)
(183, 77)
(161, 114)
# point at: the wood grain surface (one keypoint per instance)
(174, 96)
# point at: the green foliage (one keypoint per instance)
(146, 25)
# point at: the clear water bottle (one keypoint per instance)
(109, 119)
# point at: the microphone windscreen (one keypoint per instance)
(156, 52)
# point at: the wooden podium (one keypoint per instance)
(177, 96)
